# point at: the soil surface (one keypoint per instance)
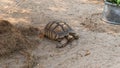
(98, 46)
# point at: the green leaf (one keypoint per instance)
(114, 1)
(118, 2)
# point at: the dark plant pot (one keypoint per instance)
(111, 13)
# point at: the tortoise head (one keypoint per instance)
(74, 35)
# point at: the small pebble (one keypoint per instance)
(87, 53)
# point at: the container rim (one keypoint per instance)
(106, 2)
(110, 22)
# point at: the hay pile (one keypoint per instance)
(29, 31)
(12, 39)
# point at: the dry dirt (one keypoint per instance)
(98, 46)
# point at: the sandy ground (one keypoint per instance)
(98, 46)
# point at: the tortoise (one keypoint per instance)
(60, 31)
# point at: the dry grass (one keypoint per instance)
(12, 39)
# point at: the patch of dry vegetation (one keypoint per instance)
(12, 39)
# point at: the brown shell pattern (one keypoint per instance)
(57, 29)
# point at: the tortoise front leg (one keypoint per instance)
(62, 43)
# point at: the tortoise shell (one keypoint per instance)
(57, 29)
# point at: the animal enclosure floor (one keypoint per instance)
(99, 43)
